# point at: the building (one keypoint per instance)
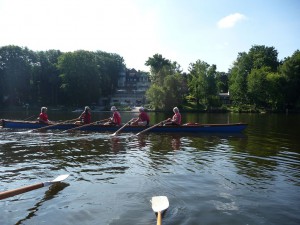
(132, 86)
(225, 98)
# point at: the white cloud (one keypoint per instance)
(230, 21)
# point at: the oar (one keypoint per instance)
(86, 125)
(143, 131)
(159, 204)
(118, 131)
(30, 117)
(6, 194)
(52, 125)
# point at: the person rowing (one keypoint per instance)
(85, 117)
(176, 119)
(43, 117)
(142, 120)
(116, 117)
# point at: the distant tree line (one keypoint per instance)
(54, 78)
(257, 80)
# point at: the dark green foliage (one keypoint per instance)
(52, 77)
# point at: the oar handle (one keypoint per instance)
(10, 193)
(158, 218)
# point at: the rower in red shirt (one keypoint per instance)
(85, 117)
(43, 117)
(143, 119)
(116, 117)
(176, 119)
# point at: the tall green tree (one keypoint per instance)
(259, 56)
(15, 74)
(45, 79)
(290, 70)
(202, 83)
(159, 68)
(258, 86)
(80, 78)
(156, 95)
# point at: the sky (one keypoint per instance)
(213, 31)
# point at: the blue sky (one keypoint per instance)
(185, 31)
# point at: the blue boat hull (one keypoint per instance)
(202, 128)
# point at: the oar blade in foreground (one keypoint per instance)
(61, 178)
(159, 203)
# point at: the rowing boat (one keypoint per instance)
(189, 128)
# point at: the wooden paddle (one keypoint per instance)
(159, 204)
(52, 125)
(143, 131)
(30, 117)
(118, 131)
(10, 193)
(85, 125)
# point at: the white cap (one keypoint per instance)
(113, 108)
(141, 109)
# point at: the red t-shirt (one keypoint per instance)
(177, 118)
(143, 116)
(86, 117)
(43, 117)
(117, 118)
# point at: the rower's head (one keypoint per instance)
(44, 109)
(175, 110)
(141, 109)
(87, 109)
(113, 108)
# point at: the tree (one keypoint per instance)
(290, 69)
(259, 56)
(222, 82)
(238, 79)
(45, 78)
(156, 96)
(258, 86)
(15, 72)
(174, 90)
(80, 78)
(202, 83)
(159, 67)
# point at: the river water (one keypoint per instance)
(246, 178)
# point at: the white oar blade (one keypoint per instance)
(60, 178)
(159, 203)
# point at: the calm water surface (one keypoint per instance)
(248, 178)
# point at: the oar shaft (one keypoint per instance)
(53, 125)
(143, 131)
(86, 125)
(10, 193)
(158, 218)
(118, 131)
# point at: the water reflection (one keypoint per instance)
(49, 194)
(211, 178)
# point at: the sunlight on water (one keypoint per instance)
(250, 178)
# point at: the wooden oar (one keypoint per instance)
(118, 131)
(30, 117)
(85, 125)
(143, 131)
(159, 204)
(7, 194)
(52, 125)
